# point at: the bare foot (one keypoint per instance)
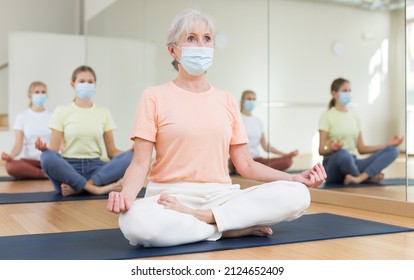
(349, 179)
(98, 190)
(363, 177)
(171, 202)
(67, 190)
(255, 230)
(377, 178)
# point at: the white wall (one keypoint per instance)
(56, 16)
(120, 76)
(298, 54)
(123, 70)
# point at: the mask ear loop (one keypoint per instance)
(174, 45)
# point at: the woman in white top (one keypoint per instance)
(29, 125)
(255, 133)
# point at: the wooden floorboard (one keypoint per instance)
(32, 218)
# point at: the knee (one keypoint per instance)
(294, 197)
(343, 154)
(392, 151)
(288, 162)
(12, 168)
(47, 158)
(302, 198)
(139, 227)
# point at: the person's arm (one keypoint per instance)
(110, 146)
(366, 149)
(270, 149)
(134, 178)
(250, 169)
(17, 148)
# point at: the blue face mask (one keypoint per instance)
(345, 97)
(196, 60)
(39, 99)
(85, 90)
(249, 105)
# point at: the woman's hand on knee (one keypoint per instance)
(118, 203)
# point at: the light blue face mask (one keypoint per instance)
(249, 105)
(39, 99)
(196, 60)
(345, 97)
(85, 90)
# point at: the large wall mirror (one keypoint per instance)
(288, 52)
(314, 42)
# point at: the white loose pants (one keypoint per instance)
(150, 224)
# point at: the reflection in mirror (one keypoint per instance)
(314, 42)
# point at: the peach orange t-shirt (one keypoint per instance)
(192, 132)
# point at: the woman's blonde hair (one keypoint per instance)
(31, 87)
(243, 97)
(183, 23)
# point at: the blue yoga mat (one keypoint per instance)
(11, 198)
(383, 183)
(110, 243)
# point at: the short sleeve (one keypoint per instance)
(324, 122)
(145, 123)
(56, 121)
(239, 135)
(19, 123)
(109, 121)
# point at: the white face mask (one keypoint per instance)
(196, 60)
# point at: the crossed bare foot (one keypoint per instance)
(97, 190)
(254, 230)
(67, 190)
(377, 178)
(171, 202)
(349, 179)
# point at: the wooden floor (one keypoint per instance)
(31, 218)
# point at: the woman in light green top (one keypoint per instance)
(340, 137)
(82, 125)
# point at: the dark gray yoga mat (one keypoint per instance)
(383, 183)
(110, 244)
(11, 179)
(10, 198)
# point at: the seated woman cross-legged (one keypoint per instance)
(340, 137)
(82, 126)
(29, 125)
(194, 127)
(255, 132)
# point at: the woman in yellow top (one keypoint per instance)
(340, 137)
(82, 125)
(193, 127)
